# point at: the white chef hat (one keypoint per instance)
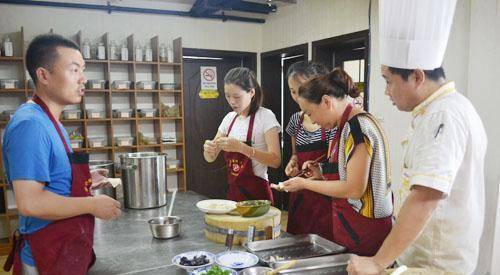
(414, 33)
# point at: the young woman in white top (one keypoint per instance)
(249, 137)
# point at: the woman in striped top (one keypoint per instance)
(360, 185)
(309, 212)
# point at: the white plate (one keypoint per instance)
(204, 270)
(236, 259)
(176, 260)
(216, 206)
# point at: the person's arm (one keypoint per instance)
(33, 201)
(292, 168)
(272, 156)
(210, 149)
(412, 219)
(358, 171)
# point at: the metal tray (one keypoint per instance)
(333, 264)
(293, 248)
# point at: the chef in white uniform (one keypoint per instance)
(440, 204)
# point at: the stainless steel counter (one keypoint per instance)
(126, 246)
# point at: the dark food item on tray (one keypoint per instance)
(196, 261)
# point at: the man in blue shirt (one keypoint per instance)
(36, 161)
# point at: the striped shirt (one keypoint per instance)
(377, 199)
(304, 137)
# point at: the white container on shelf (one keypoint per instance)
(122, 113)
(11, 200)
(124, 53)
(96, 84)
(86, 49)
(101, 51)
(173, 163)
(97, 142)
(76, 143)
(170, 54)
(138, 53)
(147, 113)
(8, 49)
(7, 84)
(72, 114)
(113, 52)
(124, 141)
(163, 53)
(95, 114)
(145, 85)
(121, 85)
(148, 53)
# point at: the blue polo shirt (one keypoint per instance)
(32, 150)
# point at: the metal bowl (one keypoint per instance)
(256, 270)
(165, 227)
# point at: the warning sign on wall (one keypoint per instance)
(208, 87)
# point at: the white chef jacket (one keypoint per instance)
(445, 150)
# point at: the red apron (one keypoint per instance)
(360, 235)
(243, 183)
(63, 246)
(310, 212)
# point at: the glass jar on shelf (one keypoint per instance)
(148, 53)
(86, 49)
(138, 52)
(124, 52)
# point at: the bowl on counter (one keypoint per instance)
(236, 259)
(214, 268)
(165, 227)
(194, 260)
(253, 208)
(216, 206)
(256, 270)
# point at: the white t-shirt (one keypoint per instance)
(445, 150)
(264, 121)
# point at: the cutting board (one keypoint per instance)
(216, 226)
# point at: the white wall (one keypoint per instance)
(195, 33)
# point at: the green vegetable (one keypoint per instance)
(216, 270)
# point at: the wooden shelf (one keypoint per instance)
(10, 214)
(171, 91)
(11, 58)
(173, 144)
(148, 118)
(125, 119)
(97, 91)
(122, 91)
(121, 62)
(11, 90)
(96, 149)
(170, 64)
(79, 120)
(95, 61)
(90, 120)
(171, 118)
(148, 146)
(129, 98)
(146, 62)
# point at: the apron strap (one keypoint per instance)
(250, 128)
(333, 151)
(42, 104)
